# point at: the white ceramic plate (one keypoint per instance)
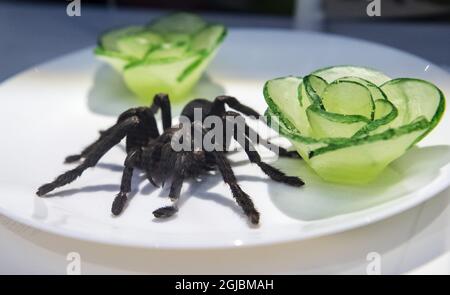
(57, 108)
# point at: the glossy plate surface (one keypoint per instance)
(57, 108)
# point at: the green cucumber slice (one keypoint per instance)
(138, 44)
(375, 91)
(414, 98)
(208, 38)
(383, 108)
(149, 78)
(359, 161)
(348, 98)
(385, 113)
(352, 160)
(168, 50)
(281, 95)
(303, 144)
(331, 74)
(183, 23)
(349, 148)
(326, 124)
(168, 55)
(314, 86)
(177, 38)
(116, 60)
(174, 76)
(108, 40)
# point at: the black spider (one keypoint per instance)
(152, 152)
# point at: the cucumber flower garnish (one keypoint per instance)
(349, 123)
(168, 55)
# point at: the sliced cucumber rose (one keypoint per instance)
(349, 123)
(168, 55)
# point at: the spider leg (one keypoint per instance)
(161, 101)
(218, 106)
(104, 145)
(74, 158)
(174, 194)
(165, 212)
(147, 130)
(125, 186)
(175, 190)
(218, 109)
(243, 200)
(254, 157)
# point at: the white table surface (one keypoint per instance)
(414, 242)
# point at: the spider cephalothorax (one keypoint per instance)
(153, 153)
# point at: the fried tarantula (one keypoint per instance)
(151, 152)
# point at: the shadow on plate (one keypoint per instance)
(320, 200)
(110, 96)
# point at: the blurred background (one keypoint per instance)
(34, 31)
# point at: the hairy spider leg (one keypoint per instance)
(254, 136)
(183, 161)
(104, 145)
(218, 109)
(254, 156)
(86, 150)
(144, 132)
(121, 199)
(218, 106)
(123, 116)
(224, 166)
(161, 101)
(177, 182)
(174, 195)
(243, 200)
(175, 187)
